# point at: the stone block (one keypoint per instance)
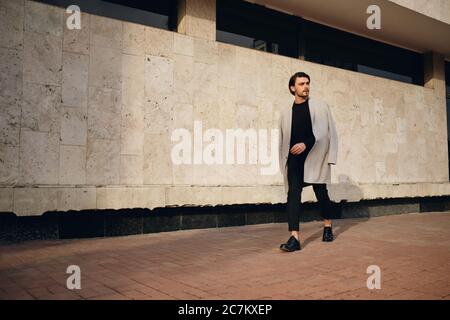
(158, 114)
(183, 44)
(113, 197)
(34, 201)
(9, 164)
(194, 195)
(74, 126)
(131, 169)
(103, 162)
(43, 18)
(11, 77)
(10, 125)
(39, 157)
(148, 197)
(75, 79)
(77, 40)
(105, 67)
(42, 58)
(105, 32)
(158, 75)
(205, 51)
(158, 42)
(72, 165)
(132, 140)
(41, 110)
(133, 38)
(104, 113)
(157, 159)
(11, 24)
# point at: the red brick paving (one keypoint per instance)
(412, 250)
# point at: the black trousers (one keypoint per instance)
(296, 185)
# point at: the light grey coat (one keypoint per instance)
(324, 151)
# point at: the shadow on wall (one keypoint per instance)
(345, 190)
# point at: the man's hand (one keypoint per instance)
(298, 148)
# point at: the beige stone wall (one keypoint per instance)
(86, 118)
(437, 9)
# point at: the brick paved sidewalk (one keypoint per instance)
(412, 250)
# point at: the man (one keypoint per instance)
(308, 147)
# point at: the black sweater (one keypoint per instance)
(301, 130)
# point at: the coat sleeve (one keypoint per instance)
(333, 136)
(280, 142)
(309, 142)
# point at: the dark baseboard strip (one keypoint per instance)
(110, 223)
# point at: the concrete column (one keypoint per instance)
(434, 78)
(434, 73)
(197, 18)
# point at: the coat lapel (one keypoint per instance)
(289, 126)
(312, 110)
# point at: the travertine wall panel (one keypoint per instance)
(86, 117)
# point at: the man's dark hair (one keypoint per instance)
(294, 77)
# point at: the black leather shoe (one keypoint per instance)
(327, 234)
(291, 245)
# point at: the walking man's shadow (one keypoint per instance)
(338, 229)
(343, 191)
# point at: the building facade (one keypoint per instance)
(87, 114)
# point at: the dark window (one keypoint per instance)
(447, 93)
(254, 26)
(160, 14)
(341, 49)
